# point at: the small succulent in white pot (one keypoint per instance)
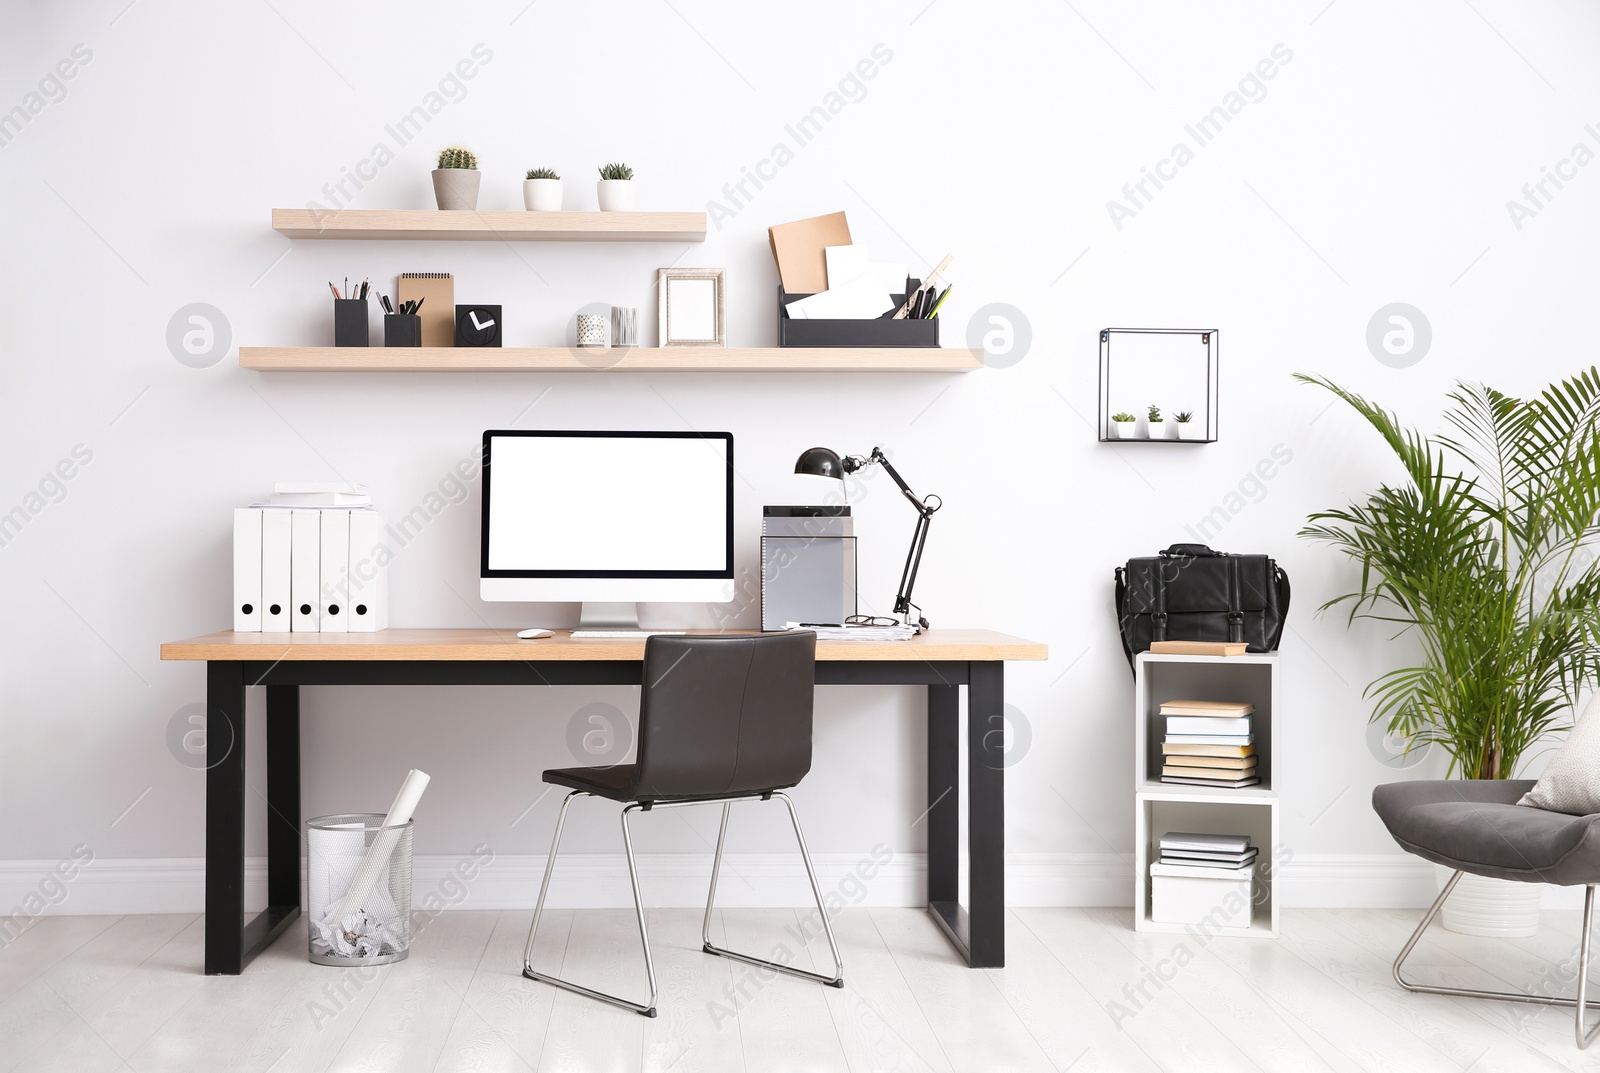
(541, 191)
(615, 188)
(455, 180)
(1123, 424)
(1187, 429)
(1155, 424)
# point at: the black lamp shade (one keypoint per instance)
(820, 462)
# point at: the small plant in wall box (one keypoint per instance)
(1156, 425)
(541, 190)
(615, 188)
(1187, 429)
(1123, 425)
(455, 180)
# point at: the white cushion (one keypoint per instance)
(1571, 782)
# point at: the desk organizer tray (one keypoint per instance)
(884, 331)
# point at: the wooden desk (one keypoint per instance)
(941, 660)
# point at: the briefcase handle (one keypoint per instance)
(1194, 551)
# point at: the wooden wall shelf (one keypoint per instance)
(630, 359)
(489, 226)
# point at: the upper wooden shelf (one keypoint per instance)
(486, 226)
(629, 359)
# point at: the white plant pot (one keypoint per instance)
(1124, 430)
(1483, 906)
(456, 188)
(1159, 430)
(541, 195)
(616, 195)
(1188, 430)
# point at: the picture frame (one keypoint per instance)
(691, 306)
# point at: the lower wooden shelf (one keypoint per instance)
(622, 359)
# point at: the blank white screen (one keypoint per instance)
(602, 503)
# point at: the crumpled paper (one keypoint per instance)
(359, 934)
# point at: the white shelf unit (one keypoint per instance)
(1160, 807)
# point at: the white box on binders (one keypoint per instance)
(305, 557)
(334, 569)
(369, 573)
(275, 571)
(247, 570)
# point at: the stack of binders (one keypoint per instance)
(310, 558)
(1209, 743)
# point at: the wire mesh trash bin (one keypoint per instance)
(358, 875)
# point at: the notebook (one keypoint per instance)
(438, 312)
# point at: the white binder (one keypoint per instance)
(369, 573)
(305, 557)
(275, 571)
(247, 570)
(335, 564)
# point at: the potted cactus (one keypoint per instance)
(615, 188)
(1187, 429)
(455, 180)
(1155, 424)
(541, 191)
(1123, 425)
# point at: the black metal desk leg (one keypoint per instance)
(283, 796)
(225, 793)
(944, 794)
(986, 816)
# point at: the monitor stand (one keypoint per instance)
(598, 616)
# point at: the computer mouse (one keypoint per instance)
(529, 635)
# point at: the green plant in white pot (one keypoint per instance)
(615, 188)
(1124, 425)
(455, 180)
(1485, 555)
(1155, 425)
(541, 190)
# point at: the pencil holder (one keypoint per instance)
(358, 876)
(349, 322)
(402, 329)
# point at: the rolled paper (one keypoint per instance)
(377, 858)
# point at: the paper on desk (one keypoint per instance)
(849, 264)
(864, 299)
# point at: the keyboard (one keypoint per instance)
(585, 635)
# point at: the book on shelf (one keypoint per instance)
(1236, 726)
(1188, 771)
(1204, 843)
(1172, 748)
(1198, 648)
(1224, 709)
(1226, 763)
(1226, 784)
(1209, 739)
(1199, 870)
(1243, 857)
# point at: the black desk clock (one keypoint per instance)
(477, 325)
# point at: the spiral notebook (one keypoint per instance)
(438, 312)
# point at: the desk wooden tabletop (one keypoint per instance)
(454, 644)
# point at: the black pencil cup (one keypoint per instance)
(402, 329)
(349, 322)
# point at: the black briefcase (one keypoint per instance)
(1191, 593)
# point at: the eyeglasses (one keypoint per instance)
(870, 620)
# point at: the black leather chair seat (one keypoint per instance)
(1476, 825)
(616, 783)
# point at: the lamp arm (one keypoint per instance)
(881, 459)
(919, 538)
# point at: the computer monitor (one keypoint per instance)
(607, 518)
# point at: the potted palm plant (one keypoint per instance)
(1487, 556)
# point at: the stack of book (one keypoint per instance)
(1209, 743)
(1205, 856)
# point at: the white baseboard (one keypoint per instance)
(177, 884)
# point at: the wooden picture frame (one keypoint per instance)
(691, 304)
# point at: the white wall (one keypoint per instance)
(1376, 169)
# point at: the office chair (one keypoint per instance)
(721, 719)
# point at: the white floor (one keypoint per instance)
(1080, 992)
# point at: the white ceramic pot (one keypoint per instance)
(456, 188)
(1159, 430)
(541, 195)
(1482, 906)
(1124, 430)
(1188, 430)
(616, 195)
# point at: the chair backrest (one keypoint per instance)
(721, 716)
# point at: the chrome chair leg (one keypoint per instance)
(1579, 1004)
(835, 980)
(638, 905)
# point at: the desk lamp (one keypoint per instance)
(821, 462)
